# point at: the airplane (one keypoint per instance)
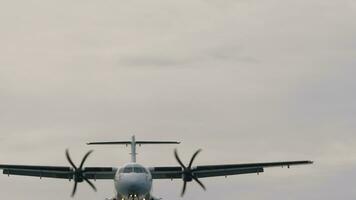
(134, 181)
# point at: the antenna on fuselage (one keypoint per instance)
(133, 144)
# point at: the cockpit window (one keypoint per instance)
(133, 169)
(139, 170)
(128, 170)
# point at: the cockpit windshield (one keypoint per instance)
(133, 169)
(139, 170)
(128, 170)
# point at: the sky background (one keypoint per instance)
(247, 81)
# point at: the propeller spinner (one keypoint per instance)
(78, 172)
(188, 172)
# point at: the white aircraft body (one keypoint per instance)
(134, 181)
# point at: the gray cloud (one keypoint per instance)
(217, 54)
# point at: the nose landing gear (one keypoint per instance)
(133, 197)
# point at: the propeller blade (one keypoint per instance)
(178, 159)
(199, 182)
(74, 188)
(70, 160)
(188, 172)
(78, 175)
(193, 158)
(184, 188)
(85, 158)
(90, 183)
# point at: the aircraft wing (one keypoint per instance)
(58, 172)
(204, 171)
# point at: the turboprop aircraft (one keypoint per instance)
(134, 181)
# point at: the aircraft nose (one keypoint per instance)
(133, 188)
(134, 185)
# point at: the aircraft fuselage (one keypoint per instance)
(133, 182)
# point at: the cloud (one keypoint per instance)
(196, 59)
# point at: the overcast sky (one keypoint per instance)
(247, 81)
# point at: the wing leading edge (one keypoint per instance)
(204, 171)
(201, 171)
(57, 171)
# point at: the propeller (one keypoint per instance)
(78, 172)
(188, 172)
